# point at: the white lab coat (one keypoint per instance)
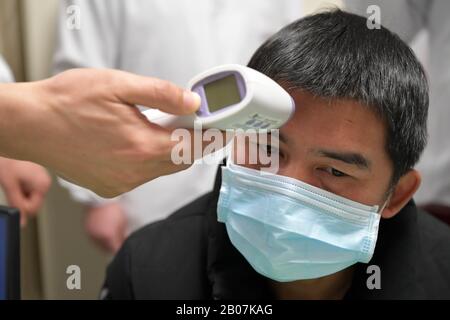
(173, 40)
(5, 72)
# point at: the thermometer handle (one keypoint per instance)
(170, 120)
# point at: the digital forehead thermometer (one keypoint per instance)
(233, 97)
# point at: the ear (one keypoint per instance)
(402, 193)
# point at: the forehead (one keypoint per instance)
(337, 124)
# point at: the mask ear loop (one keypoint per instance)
(229, 152)
(384, 205)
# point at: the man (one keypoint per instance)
(342, 199)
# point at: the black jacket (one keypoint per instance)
(189, 256)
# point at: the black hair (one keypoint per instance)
(334, 55)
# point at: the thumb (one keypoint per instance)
(156, 93)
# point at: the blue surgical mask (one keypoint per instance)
(289, 230)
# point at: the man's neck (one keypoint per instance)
(332, 287)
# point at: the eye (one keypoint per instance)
(336, 173)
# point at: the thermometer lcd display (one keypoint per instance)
(222, 93)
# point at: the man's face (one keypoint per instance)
(337, 146)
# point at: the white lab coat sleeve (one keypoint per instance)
(84, 196)
(404, 17)
(94, 44)
(5, 73)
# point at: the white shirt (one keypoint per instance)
(5, 72)
(173, 40)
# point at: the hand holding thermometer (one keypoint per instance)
(233, 97)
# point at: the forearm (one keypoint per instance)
(19, 107)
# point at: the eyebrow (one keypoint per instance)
(351, 158)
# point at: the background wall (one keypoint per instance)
(56, 239)
(11, 36)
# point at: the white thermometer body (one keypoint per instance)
(233, 97)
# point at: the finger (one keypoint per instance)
(14, 196)
(34, 203)
(120, 235)
(102, 241)
(23, 220)
(108, 243)
(157, 93)
(116, 243)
